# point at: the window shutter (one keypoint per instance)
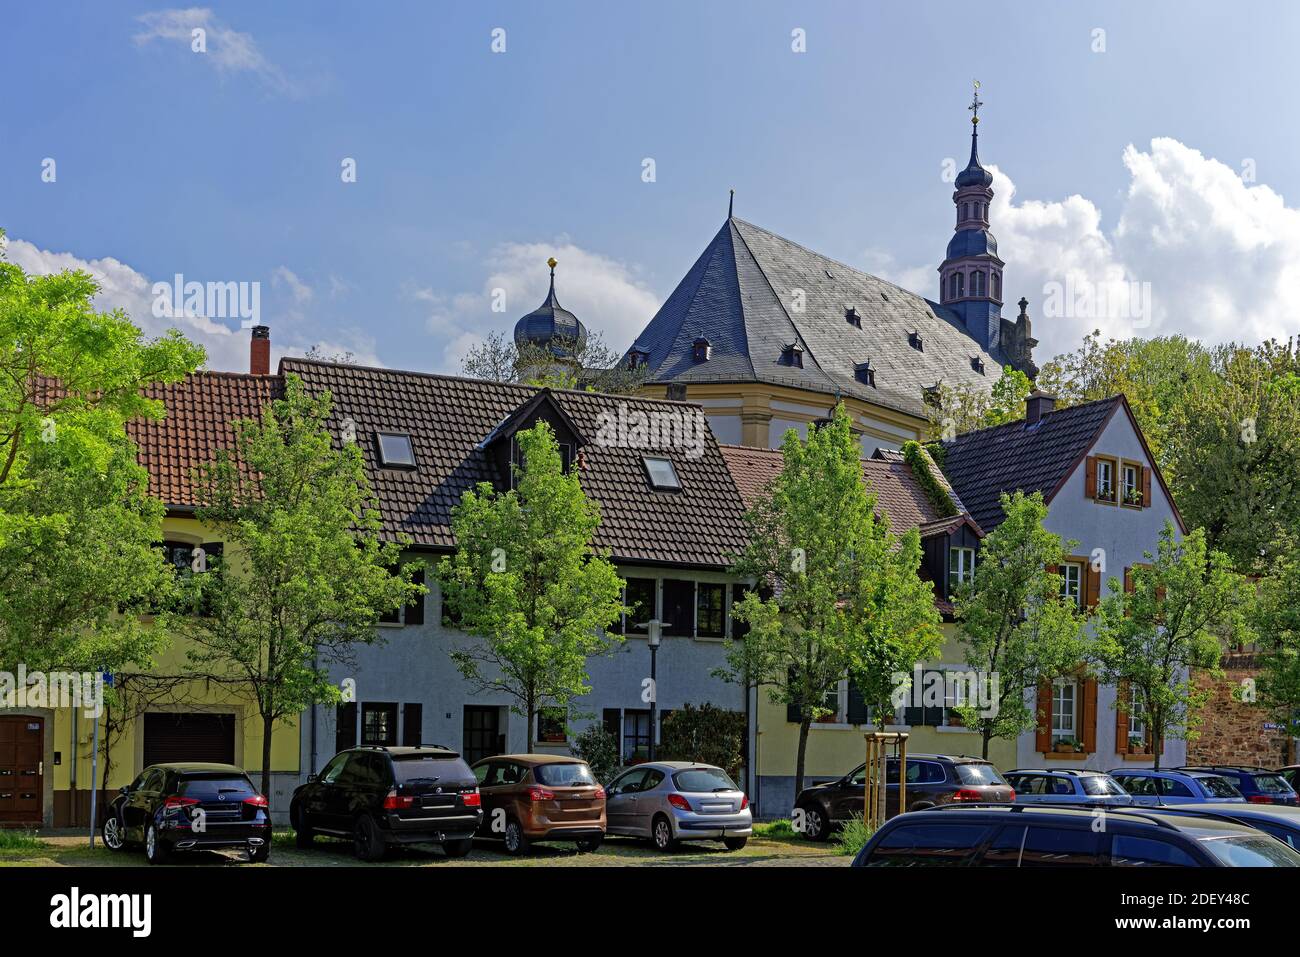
(1089, 716)
(933, 715)
(857, 706)
(792, 714)
(1043, 739)
(1090, 477)
(412, 725)
(1093, 594)
(1128, 580)
(345, 727)
(1121, 716)
(1146, 486)
(609, 717)
(415, 610)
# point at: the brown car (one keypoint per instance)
(540, 797)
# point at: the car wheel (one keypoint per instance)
(589, 843)
(735, 843)
(260, 854)
(302, 834)
(112, 833)
(458, 848)
(367, 842)
(816, 826)
(661, 832)
(155, 851)
(516, 839)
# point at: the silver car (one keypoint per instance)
(1066, 786)
(671, 801)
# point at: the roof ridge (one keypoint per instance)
(1021, 422)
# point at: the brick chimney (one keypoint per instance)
(1037, 405)
(259, 351)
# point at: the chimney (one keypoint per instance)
(259, 351)
(1038, 405)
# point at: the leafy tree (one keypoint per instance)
(958, 409)
(707, 734)
(77, 525)
(527, 584)
(596, 368)
(305, 576)
(1014, 622)
(1169, 622)
(600, 749)
(1276, 621)
(845, 594)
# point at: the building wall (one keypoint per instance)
(1124, 535)
(1234, 731)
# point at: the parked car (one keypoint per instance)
(189, 807)
(380, 796)
(1292, 774)
(671, 801)
(1066, 786)
(932, 779)
(1151, 787)
(540, 797)
(1025, 835)
(1278, 820)
(1257, 785)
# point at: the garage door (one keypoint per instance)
(189, 736)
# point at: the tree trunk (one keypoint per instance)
(987, 737)
(267, 724)
(799, 760)
(528, 730)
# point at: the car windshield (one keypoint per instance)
(697, 780)
(225, 787)
(1218, 787)
(1251, 850)
(564, 775)
(1272, 784)
(979, 774)
(1098, 785)
(428, 767)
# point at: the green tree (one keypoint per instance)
(1015, 625)
(1169, 622)
(596, 367)
(707, 734)
(1276, 621)
(528, 586)
(957, 409)
(77, 525)
(845, 597)
(305, 576)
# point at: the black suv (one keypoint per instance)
(381, 796)
(189, 807)
(1025, 835)
(1257, 785)
(932, 780)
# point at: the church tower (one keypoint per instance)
(550, 339)
(970, 277)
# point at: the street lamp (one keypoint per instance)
(654, 634)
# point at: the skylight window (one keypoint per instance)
(395, 450)
(661, 473)
(915, 341)
(977, 364)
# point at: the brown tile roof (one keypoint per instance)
(448, 417)
(898, 494)
(201, 411)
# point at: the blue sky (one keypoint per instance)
(473, 166)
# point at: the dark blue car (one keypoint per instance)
(1257, 785)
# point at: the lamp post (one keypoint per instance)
(654, 634)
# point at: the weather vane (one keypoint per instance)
(975, 103)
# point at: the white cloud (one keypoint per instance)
(605, 294)
(228, 50)
(284, 276)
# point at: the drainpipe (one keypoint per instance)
(313, 719)
(72, 754)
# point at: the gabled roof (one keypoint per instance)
(448, 418)
(982, 464)
(898, 494)
(740, 293)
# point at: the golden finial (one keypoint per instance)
(551, 262)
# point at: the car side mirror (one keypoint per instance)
(124, 789)
(312, 778)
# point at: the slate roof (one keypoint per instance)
(739, 294)
(982, 464)
(898, 494)
(201, 411)
(448, 418)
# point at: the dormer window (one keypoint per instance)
(395, 450)
(661, 473)
(977, 364)
(915, 341)
(852, 318)
(792, 355)
(701, 350)
(865, 374)
(637, 358)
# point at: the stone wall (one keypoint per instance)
(1232, 731)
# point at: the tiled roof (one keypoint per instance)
(448, 417)
(201, 411)
(898, 494)
(981, 465)
(740, 295)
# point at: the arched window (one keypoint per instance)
(997, 285)
(956, 286)
(977, 283)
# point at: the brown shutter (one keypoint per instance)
(1089, 716)
(1090, 477)
(1146, 486)
(1043, 740)
(1093, 593)
(1121, 717)
(1128, 580)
